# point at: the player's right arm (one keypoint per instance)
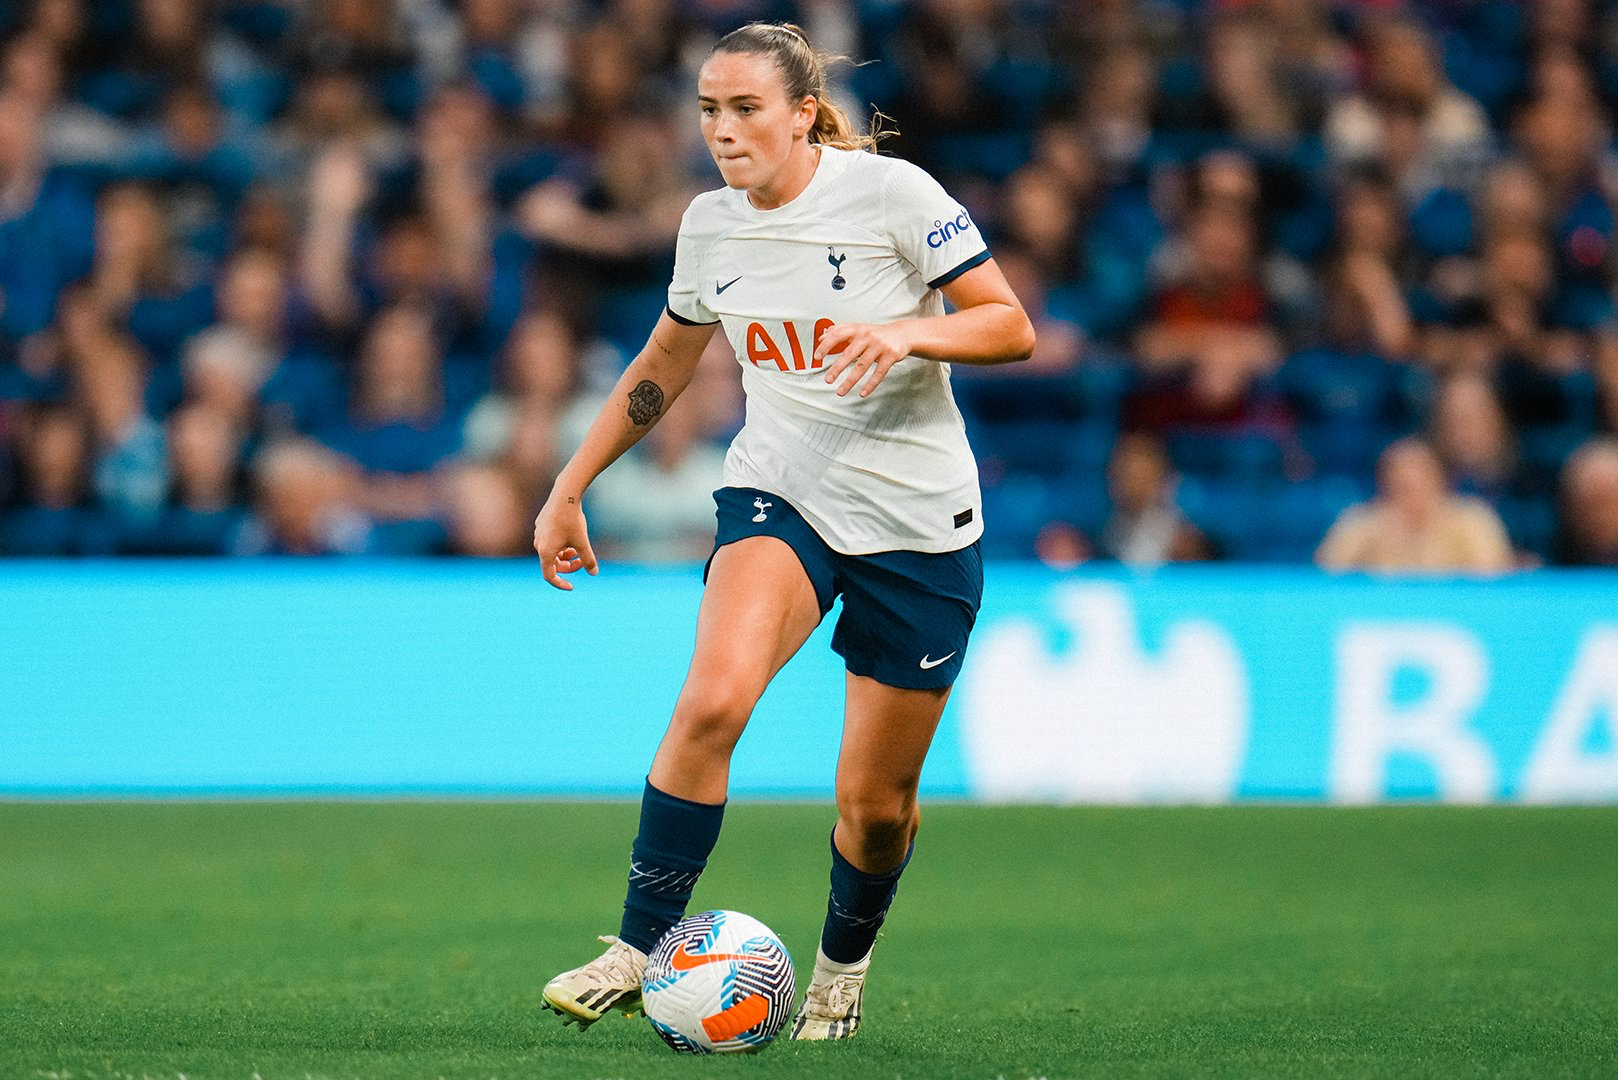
(644, 393)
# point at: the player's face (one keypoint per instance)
(749, 123)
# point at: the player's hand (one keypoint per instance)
(867, 351)
(561, 541)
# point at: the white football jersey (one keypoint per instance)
(870, 240)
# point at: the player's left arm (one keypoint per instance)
(988, 326)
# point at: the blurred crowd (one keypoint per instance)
(1312, 279)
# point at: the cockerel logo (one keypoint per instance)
(836, 260)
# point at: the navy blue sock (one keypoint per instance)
(675, 839)
(857, 905)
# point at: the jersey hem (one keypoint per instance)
(943, 547)
(977, 260)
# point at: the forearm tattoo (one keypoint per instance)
(645, 402)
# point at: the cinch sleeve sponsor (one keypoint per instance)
(928, 227)
(685, 296)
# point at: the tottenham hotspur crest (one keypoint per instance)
(836, 260)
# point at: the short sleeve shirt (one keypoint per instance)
(870, 240)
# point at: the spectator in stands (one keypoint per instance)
(130, 471)
(488, 514)
(47, 225)
(70, 131)
(138, 278)
(1117, 102)
(1416, 523)
(1473, 439)
(1408, 116)
(1145, 527)
(1366, 306)
(203, 515)
(56, 516)
(1210, 314)
(608, 234)
(306, 504)
(1589, 506)
(286, 382)
(398, 428)
(518, 422)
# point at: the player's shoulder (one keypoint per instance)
(892, 173)
(709, 211)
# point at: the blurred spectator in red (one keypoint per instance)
(1589, 506)
(1211, 312)
(1416, 523)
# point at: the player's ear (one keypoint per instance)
(808, 112)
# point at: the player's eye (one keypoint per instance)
(747, 110)
(710, 110)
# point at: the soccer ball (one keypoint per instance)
(717, 982)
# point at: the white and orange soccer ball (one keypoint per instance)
(718, 981)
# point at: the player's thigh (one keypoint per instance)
(887, 732)
(757, 611)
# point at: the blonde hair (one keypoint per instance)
(803, 70)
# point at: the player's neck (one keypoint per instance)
(789, 181)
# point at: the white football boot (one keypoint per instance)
(831, 1005)
(610, 981)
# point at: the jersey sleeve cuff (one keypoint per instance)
(683, 321)
(944, 279)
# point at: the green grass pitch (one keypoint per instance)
(293, 941)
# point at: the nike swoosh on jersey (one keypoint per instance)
(718, 288)
(685, 960)
(926, 663)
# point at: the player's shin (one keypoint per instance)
(672, 848)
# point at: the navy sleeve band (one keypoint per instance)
(939, 282)
(683, 321)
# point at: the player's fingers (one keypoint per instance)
(833, 340)
(855, 374)
(879, 371)
(587, 557)
(547, 566)
(848, 356)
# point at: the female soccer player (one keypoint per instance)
(827, 267)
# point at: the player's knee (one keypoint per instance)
(711, 716)
(879, 820)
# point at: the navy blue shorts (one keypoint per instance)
(906, 614)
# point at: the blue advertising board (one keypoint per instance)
(462, 679)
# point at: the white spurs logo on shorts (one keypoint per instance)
(762, 506)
